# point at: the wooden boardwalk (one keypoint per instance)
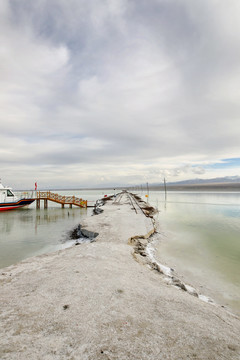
(63, 200)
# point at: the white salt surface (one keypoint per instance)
(94, 301)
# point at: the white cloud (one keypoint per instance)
(127, 91)
(31, 71)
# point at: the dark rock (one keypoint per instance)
(97, 211)
(81, 235)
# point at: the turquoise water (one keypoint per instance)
(29, 231)
(200, 239)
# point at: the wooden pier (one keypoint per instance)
(63, 200)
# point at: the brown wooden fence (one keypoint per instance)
(64, 200)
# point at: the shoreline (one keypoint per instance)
(144, 253)
(95, 301)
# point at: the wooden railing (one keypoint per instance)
(71, 200)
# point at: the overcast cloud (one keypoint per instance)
(114, 92)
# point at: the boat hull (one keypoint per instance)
(15, 205)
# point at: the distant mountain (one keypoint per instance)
(227, 183)
(221, 180)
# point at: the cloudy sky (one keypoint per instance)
(116, 92)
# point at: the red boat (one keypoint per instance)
(9, 201)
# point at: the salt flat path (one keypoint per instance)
(95, 301)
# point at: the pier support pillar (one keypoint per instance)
(62, 206)
(70, 206)
(38, 203)
(45, 204)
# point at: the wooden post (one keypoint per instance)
(70, 206)
(62, 206)
(165, 189)
(38, 203)
(45, 203)
(147, 192)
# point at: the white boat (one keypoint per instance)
(9, 201)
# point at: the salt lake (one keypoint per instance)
(199, 236)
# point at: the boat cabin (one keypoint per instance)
(6, 194)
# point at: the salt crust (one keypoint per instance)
(94, 301)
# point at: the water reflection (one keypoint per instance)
(28, 232)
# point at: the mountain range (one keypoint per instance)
(227, 183)
(219, 180)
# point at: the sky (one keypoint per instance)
(118, 92)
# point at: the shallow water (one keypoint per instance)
(200, 239)
(29, 231)
(199, 236)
